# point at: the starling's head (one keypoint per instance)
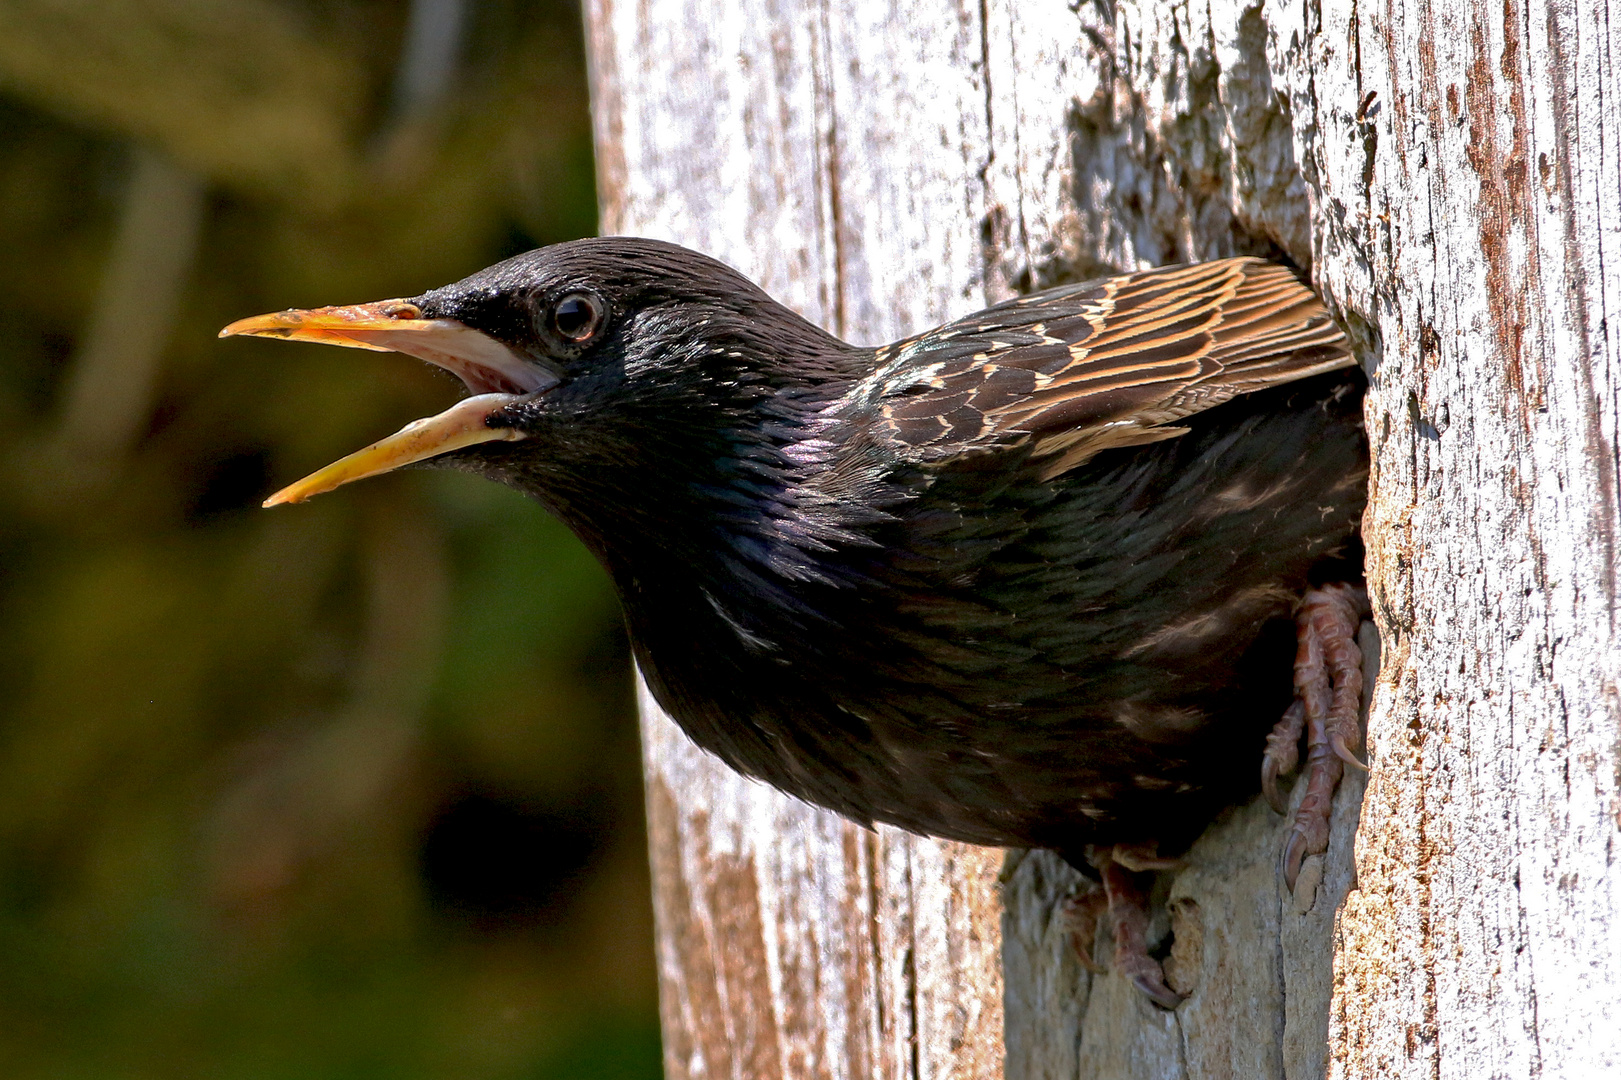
(601, 355)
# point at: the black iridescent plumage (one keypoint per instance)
(1026, 579)
(1023, 580)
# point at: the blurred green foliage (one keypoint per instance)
(347, 789)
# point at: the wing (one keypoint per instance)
(1115, 362)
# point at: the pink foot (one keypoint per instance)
(1328, 694)
(1123, 902)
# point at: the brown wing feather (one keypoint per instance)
(1109, 363)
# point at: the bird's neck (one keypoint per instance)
(750, 535)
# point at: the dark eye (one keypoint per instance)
(577, 317)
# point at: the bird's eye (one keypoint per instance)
(577, 317)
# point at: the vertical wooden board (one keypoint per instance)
(1465, 203)
(1045, 62)
(956, 913)
(714, 133)
(766, 938)
(1471, 215)
(791, 942)
(908, 95)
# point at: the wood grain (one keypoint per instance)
(1477, 230)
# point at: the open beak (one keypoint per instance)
(494, 374)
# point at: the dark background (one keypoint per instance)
(347, 789)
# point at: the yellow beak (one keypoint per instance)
(495, 374)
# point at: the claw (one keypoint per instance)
(1269, 786)
(1128, 907)
(1294, 853)
(1152, 985)
(1336, 742)
(1121, 900)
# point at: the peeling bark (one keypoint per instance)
(1449, 174)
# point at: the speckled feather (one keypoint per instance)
(1024, 579)
(1103, 364)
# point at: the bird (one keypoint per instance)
(1045, 576)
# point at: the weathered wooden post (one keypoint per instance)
(1449, 174)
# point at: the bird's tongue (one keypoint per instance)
(495, 374)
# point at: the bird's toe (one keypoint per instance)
(1282, 755)
(1328, 684)
(1150, 980)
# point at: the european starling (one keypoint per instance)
(1032, 578)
